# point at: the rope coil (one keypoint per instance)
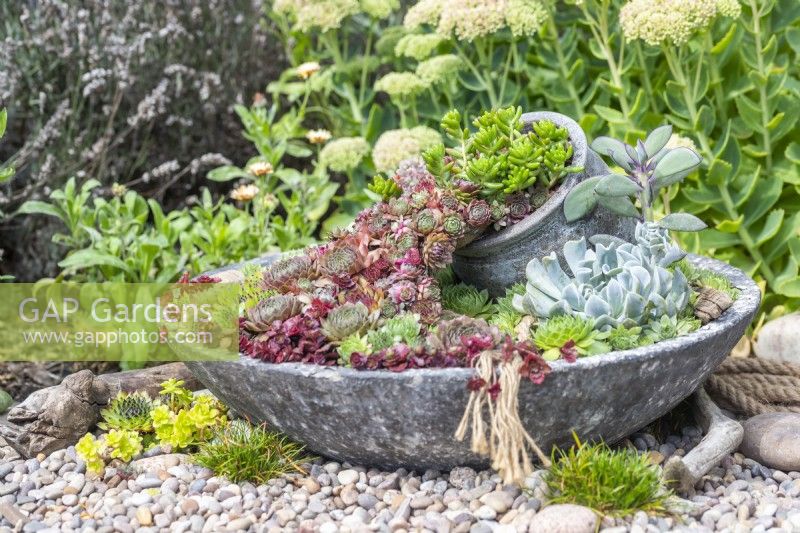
(753, 386)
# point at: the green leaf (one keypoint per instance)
(581, 199)
(90, 258)
(674, 166)
(792, 153)
(657, 140)
(682, 222)
(793, 38)
(3, 122)
(622, 206)
(227, 173)
(617, 185)
(749, 112)
(722, 45)
(35, 207)
(718, 172)
(771, 226)
(712, 239)
(614, 149)
(730, 226)
(612, 116)
(6, 173)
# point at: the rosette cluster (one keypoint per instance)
(383, 266)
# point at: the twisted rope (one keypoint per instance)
(503, 438)
(754, 386)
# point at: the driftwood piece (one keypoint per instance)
(56, 417)
(723, 436)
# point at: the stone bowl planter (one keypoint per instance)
(497, 260)
(408, 419)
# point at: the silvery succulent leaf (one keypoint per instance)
(617, 283)
(604, 239)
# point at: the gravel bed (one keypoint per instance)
(54, 494)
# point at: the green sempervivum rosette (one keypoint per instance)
(569, 336)
(129, 412)
(401, 329)
(353, 344)
(669, 327)
(622, 338)
(466, 300)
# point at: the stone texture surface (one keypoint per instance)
(408, 418)
(779, 339)
(498, 260)
(564, 518)
(773, 440)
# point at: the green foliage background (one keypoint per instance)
(732, 90)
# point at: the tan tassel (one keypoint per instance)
(507, 443)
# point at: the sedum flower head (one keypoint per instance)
(679, 141)
(439, 68)
(671, 22)
(379, 9)
(424, 12)
(729, 8)
(345, 154)
(471, 19)
(401, 84)
(395, 146)
(323, 15)
(418, 46)
(525, 17)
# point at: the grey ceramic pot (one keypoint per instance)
(497, 260)
(386, 419)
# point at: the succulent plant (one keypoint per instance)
(669, 327)
(253, 287)
(466, 300)
(478, 213)
(437, 251)
(299, 340)
(278, 307)
(123, 444)
(649, 166)
(427, 220)
(286, 270)
(128, 412)
(451, 333)
(401, 329)
(501, 158)
(615, 284)
(346, 320)
(622, 338)
(385, 188)
(571, 331)
(353, 344)
(712, 280)
(340, 259)
(454, 225)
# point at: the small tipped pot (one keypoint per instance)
(497, 260)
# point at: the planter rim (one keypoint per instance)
(747, 303)
(489, 244)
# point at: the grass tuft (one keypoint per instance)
(243, 452)
(612, 482)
